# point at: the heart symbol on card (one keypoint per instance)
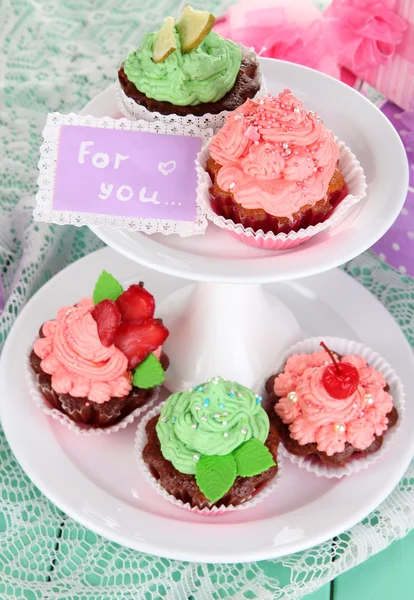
(167, 167)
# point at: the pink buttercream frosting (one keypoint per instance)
(80, 365)
(275, 155)
(317, 417)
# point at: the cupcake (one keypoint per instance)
(276, 169)
(187, 70)
(332, 407)
(100, 360)
(211, 447)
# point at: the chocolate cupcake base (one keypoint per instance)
(184, 488)
(246, 86)
(339, 459)
(85, 412)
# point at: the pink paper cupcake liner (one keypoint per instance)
(344, 348)
(357, 189)
(141, 440)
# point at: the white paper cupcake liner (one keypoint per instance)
(345, 348)
(64, 419)
(140, 442)
(354, 178)
(132, 110)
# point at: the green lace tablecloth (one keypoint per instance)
(56, 55)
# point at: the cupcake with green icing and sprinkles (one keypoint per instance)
(187, 72)
(211, 448)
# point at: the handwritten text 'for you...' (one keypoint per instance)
(102, 160)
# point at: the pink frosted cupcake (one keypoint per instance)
(99, 361)
(334, 408)
(274, 168)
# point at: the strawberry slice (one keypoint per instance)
(108, 319)
(137, 339)
(136, 303)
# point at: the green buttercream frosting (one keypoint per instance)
(205, 74)
(206, 406)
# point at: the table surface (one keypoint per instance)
(385, 576)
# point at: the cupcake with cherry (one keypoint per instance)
(100, 362)
(210, 449)
(278, 175)
(336, 405)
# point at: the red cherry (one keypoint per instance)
(339, 379)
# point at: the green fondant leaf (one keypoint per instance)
(149, 373)
(252, 458)
(106, 288)
(215, 475)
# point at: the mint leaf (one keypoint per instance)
(215, 475)
(106, 288)
(252, 458)
(149, 373)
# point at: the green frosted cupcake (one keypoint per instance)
(210, 448)
(186, 70)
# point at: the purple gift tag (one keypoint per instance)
(126, 173)
(120, 173)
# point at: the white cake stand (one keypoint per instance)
(240, 312)
(228, 324)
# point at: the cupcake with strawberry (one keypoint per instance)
(101, 360)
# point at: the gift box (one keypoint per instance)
(376, 39)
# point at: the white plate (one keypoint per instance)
(97, 482)
(213, 256)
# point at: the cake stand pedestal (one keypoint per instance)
(232, 330)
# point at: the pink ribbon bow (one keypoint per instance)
(368, 32)
(293, 31)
